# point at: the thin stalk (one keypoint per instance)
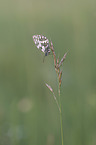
(61, 117)
(50, 88)
(61, 123)
(57, 102)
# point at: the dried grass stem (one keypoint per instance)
(57, 66)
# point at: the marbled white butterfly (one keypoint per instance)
(42, 43)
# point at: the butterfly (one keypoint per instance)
(42, 43)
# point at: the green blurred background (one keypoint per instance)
(28, 112)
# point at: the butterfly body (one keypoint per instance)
(42, 43)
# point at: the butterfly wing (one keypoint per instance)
(42, 43)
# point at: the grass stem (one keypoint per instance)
(61, 120)
(59, 92)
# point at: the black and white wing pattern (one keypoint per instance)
(42, 43)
